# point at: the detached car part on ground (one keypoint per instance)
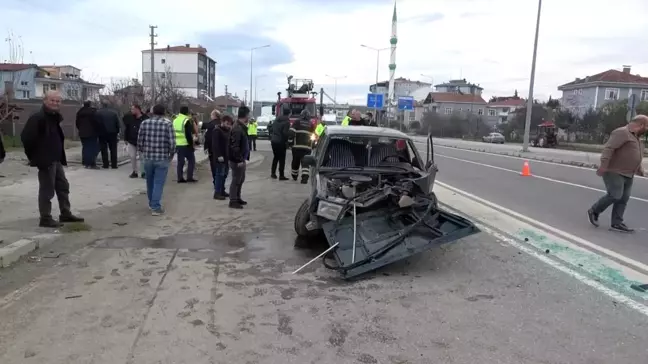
(371, 197)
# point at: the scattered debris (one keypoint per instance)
(34, 259)
(120, 223)
(75, 296)
(52, 256)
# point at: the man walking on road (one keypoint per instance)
(156, 143)
(208, 128)
(109, 122)
(279, 141)
(88, 129)
(183, 127)
(43, 140)
(132, 123)
(252, 134)
(219, 156)
(620, 160)
(239, 150)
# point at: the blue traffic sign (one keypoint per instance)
(405, 103)
(375, 101)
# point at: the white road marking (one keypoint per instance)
(465, 203)
(496, 154)
(536, 176)
(563, 234)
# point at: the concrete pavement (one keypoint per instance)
(571, 157)
(205, 284)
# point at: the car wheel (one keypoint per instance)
(301, 219)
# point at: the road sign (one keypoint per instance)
(375, 101)
(405, 103)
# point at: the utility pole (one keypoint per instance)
(527, 122)
(252, 65)
(153, 44)
(245, 96)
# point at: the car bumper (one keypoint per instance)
(262, 134)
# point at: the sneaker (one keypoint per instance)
(70, 218)
(133, 175)
(621, 228)
(283, 178)
(157, 212)
(593, 217)
(235, 205)
(273, 176)
(49, 222)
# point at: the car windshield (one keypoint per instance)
(362, 151)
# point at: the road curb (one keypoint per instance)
(18, 249)
(525, 156)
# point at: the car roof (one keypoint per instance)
(370, 131)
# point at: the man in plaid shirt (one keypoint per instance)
(156, 143)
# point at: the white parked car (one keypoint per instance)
(494, 138)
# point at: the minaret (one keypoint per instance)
(392, 65)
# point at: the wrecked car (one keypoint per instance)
(371, 197)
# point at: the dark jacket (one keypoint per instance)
(280, 130)
(302, 130)
(108, 120)
(3, 154)
(238, 143)
(131, 127)
(360, 122)
(86, 122)
(43, 139)
(219, 143)
(209, 130)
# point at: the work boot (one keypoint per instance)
(294, 178)
(621, 228)
(235, 205)
(593, 217)
(70, 218)
(304, 180)
(48, 222)
(283, 178)
(133, 175)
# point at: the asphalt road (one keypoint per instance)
(556, 195)
(205, 284)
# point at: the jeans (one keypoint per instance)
(618, 193)
(238, 177)
(108, 142)
(279, 158)
(156, 173)
(89, 151)
(186, 152)
(52, 181)
(221, 170)
(133, 154)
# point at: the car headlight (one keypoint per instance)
(328, 210)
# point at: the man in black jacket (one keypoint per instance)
(109, 121)
(132, 122)
(219, 155)
(279, 141)
(239, 150)
(43, 140)
(208, 129)
(88, 129)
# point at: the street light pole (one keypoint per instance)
(256, 83)
(527, 122)
(430, 77)
(377, 50)
(251, 67)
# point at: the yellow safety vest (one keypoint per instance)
(345, 121)
(179, 128)
(252, 129)
(320, 129)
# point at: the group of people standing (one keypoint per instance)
(99, 133)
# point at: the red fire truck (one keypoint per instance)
(299, 96)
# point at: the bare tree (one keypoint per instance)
(167, 92)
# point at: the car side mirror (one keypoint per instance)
(308, 161)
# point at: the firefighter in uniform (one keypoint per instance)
(302, 139)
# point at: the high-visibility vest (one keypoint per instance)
(179, 129)
(252, 129)
(345, 121)
(320, 129)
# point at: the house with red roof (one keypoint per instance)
(456, 97)
(502, 110)
(595, 91)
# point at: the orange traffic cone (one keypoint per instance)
(526, 170)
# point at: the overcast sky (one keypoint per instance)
(488, 42)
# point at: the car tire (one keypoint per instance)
(302, 217)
